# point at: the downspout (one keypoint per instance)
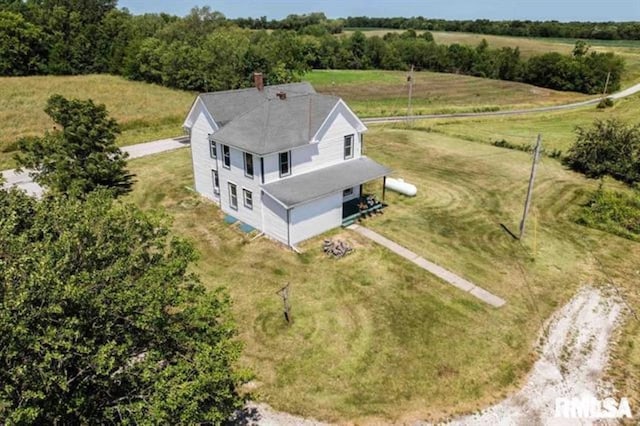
(289, 227)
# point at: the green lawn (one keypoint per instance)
(375, 338)
(557, 128)
(375, 93)
(145, 111)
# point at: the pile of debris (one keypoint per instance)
(336, 248)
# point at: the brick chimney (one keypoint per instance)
(258, 81)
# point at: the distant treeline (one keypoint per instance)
(592, 30)
(204, 51)
(586, 30)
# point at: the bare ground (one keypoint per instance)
(573, 357)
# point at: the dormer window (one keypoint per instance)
(348, 147)
(248, 165)
(285, 163)
(226, 157)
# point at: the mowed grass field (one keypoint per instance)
(144, 111)
(375, 338)
(375, 93)
(557, 128)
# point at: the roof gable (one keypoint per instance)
(278, 125)
(227, 105)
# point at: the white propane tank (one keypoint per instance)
(399, 185)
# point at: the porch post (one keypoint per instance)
(384, 187)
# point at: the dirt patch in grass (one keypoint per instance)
(573, 357)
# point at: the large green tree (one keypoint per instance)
(101, 322)
(608, 148)
(80, 156)
(20, 45)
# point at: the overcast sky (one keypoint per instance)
(561, 10)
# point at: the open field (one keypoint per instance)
(145, 111)
(374, 337)
(557, 128)
(378, 93)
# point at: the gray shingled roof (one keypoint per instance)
(277, 125)
(301, 189)
(229, 104)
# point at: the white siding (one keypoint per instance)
(356, 194)
(271, 168)
(274, 218)
(316, 217)
(236, 175)
(329, 150)
(202, 162)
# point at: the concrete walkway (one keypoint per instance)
(431, 267)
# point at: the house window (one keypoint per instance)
(233, 196)
(212, 149)
(226, 157)
(248, 198)
(285, 166)
(216, 181)
(347, 192)
(348, 147)
(248, 165)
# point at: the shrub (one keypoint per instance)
(612, 211)
(608, 148)
(605, 103)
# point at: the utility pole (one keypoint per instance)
(410, 106)
(532, 178)
(606, 85)
(284, 292)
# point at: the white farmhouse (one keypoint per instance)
(282, 159)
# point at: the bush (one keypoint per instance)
(608, 148)
(614, 212)
(605, 103)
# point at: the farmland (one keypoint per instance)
(375, 338)
(557, 128)
(385, 93)
(145, 111)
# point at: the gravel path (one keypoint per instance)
(573, 358)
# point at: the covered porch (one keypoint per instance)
(365, 205)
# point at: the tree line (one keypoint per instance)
(519, 28)
(204, 51)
